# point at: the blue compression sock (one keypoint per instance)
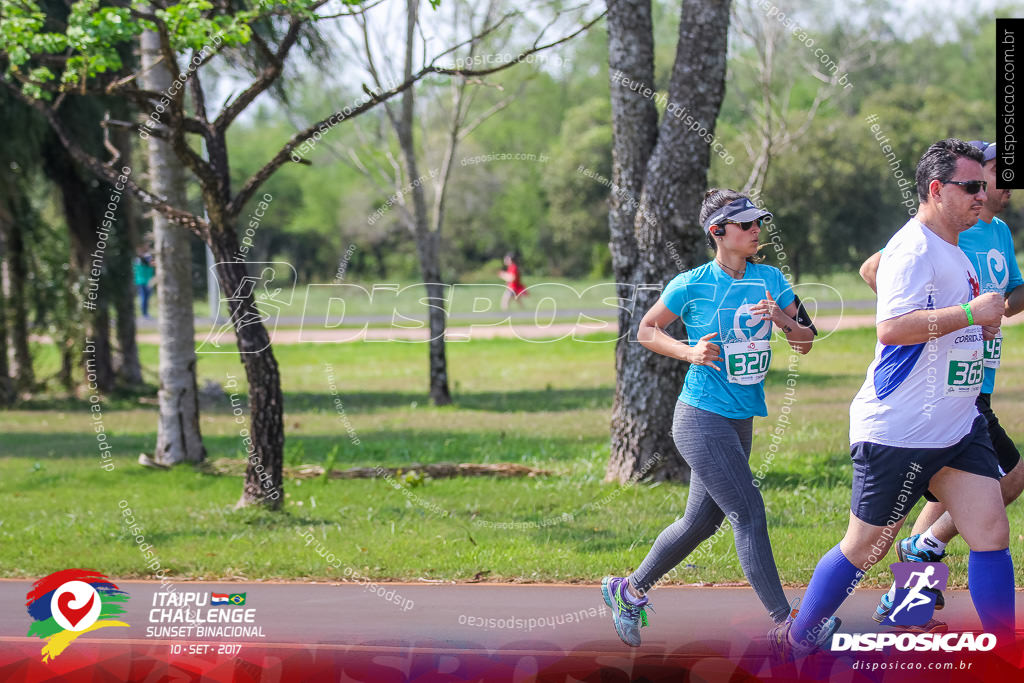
(990, 575)
(833, 576)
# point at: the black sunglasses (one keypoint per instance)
(969, 186)
(746, 225)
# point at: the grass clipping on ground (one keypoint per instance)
(233, 467)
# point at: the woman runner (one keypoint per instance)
(513, 281)
(728, 306)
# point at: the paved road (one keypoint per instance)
(513, 315)
(371, 330)
(473, 632)
(488, 330)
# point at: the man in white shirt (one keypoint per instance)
(914, 425)
(989, 246)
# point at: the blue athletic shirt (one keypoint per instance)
(989, 246)
(709, 300)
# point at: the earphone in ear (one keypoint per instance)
(718, 231)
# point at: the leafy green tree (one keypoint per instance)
(578, 198)
(44, 61)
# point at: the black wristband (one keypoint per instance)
(802, 317)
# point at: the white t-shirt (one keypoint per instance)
(921, 396)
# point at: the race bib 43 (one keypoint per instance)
(993, 352)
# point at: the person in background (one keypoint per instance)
(144, 273)
(513, 280)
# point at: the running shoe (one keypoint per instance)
(883, 609)
(908, 550)
(784, 649)
(931, 626)
(627, 616)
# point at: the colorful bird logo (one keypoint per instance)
(975, 287)
(69, 603)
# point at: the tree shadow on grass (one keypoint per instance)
(390, 447)
(529, 400)
(258, 519)
(72, 404)
(538, 400)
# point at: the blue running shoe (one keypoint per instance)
(784, 649)
(930, 626)
(883, 609)
(628, 617)
(908, 550)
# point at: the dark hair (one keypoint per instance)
(715, 199)
(939, 163)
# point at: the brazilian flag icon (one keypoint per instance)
(237, 599)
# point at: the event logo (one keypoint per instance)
(917, 585)
(914, 642)
(70, 603)
(201, 614)
(262, 298)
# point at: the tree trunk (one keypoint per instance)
(7, 393)
(178, 435)
(66, 349)
(427, 247)
(264, 440)
(427, 240)
(659, 175)
(83, 210)
(16, 275)
(125, 237)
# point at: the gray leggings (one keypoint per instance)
(717, 449)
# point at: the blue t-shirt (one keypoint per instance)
(989, 246)
(709, 300)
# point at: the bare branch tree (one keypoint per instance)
(774, 60)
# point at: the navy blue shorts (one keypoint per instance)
(1006, 450)
(888, 480)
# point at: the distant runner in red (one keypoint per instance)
(510, 274)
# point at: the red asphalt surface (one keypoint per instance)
(476, 632)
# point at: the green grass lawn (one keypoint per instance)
(542, 404)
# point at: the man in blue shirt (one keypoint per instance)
(988, 244)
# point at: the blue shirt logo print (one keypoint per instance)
(996, 263)
(746, 327)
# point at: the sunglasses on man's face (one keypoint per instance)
(969, 186)
(746, 225)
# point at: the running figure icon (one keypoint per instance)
(916, 596)
(266, 300)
